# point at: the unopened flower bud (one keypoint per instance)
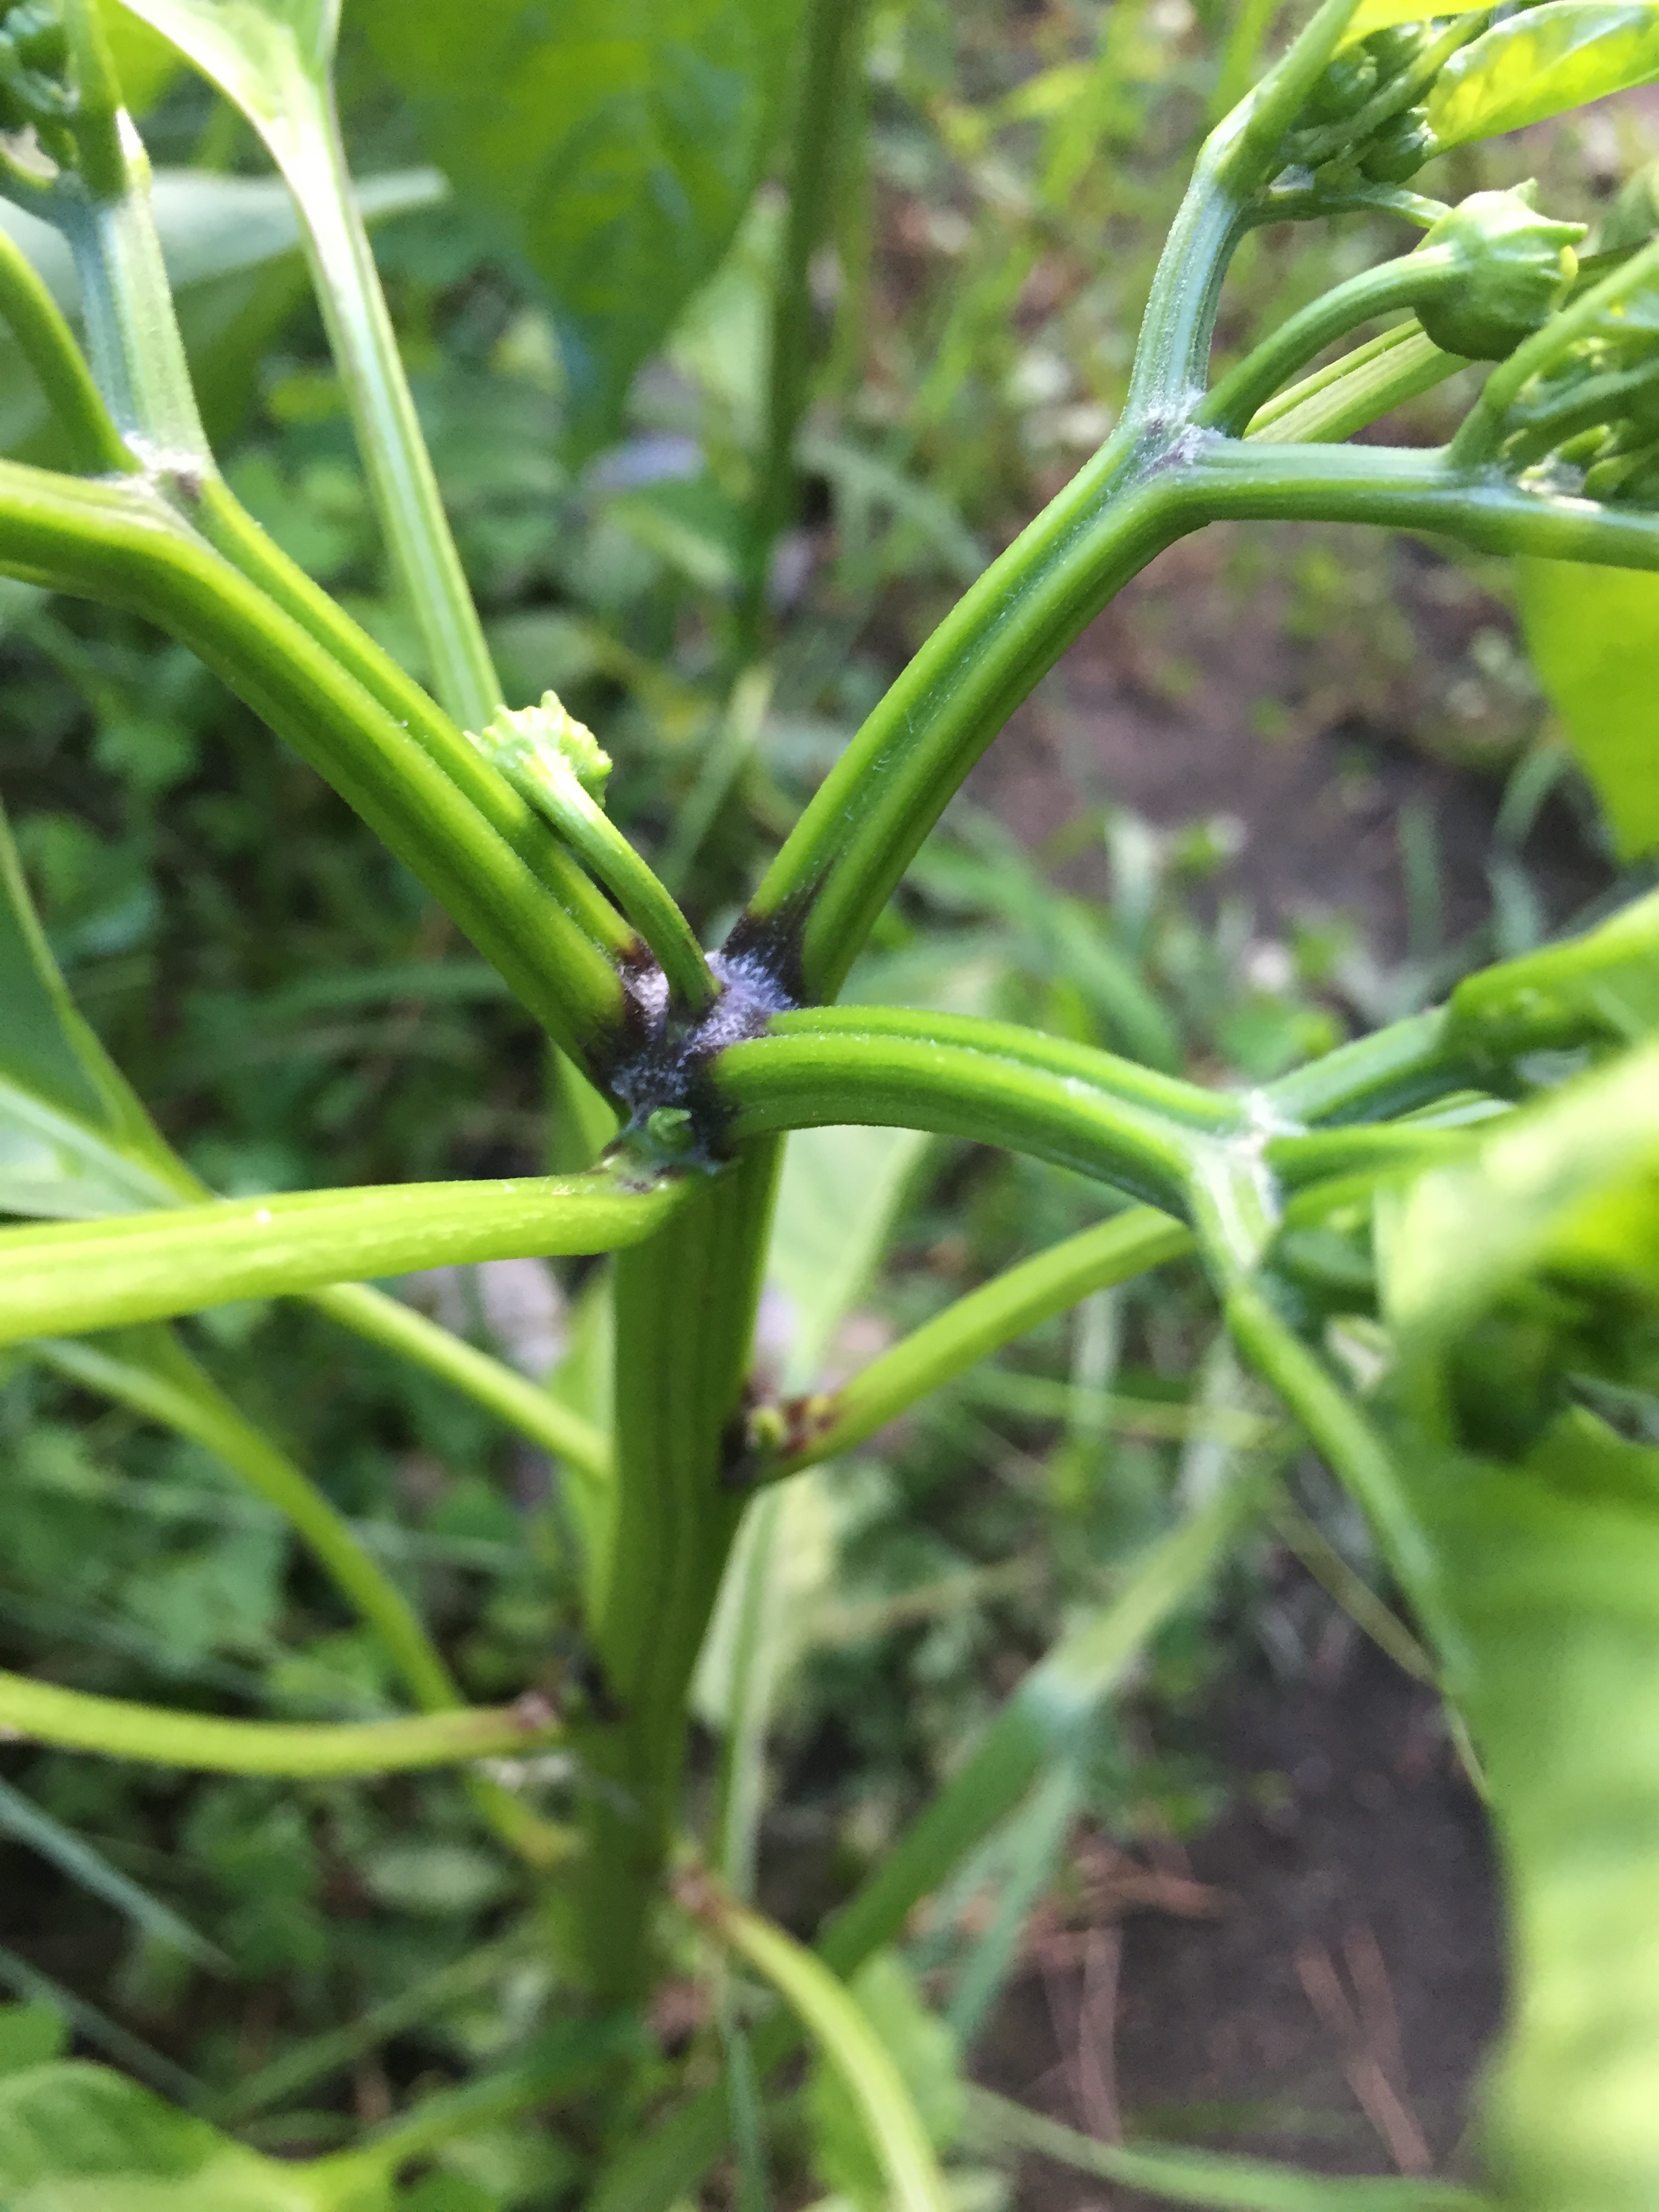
(1395, 50)
(1346, 84)
(534, 744)
(1517, 266)
(1399, 148)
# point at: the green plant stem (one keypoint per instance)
(513, 1398)
(1392, 1071)
(824, 102)
(121, 544)
(304, 138)
(839, 866)
(48, 344)
(76, 1721)
(1048, 1715)
(818, 901)
(1022, 1298)
(1400, 488)
(594, 837)
(170, 1388)
(1236, 160)
(1355, 391)
(990, 1082)
(71, 1277)
(1355, 1454)
(685, 1306)
(1406, 282)
(837, 2022)
(126, 304)
(1351, 1591)
(157, 1377)
(230, 529)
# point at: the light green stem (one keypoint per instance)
(1407, 281)
(1007, 1307)
(522, 1404)
(76, 1721)
(48, 344)
(72, 1277)
(837, 2023)
(684, 1317)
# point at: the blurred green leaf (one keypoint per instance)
(1542, 63)
(252, 49)
(615, 143)
(1594, 637)
(1572, 1183)
(144, 63)
(30, 2034)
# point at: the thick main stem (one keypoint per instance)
(684, 1314)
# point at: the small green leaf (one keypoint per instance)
(1593, 634)
(616, 143)
(1543, 62)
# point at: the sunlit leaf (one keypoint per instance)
(145, 64)
(255, 50)
(1593, 634)
(1541, 64)
(615, 143)
(1572, 1181)
(1383, 15)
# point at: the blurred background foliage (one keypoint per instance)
(298, 1958)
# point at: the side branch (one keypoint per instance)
(72, 1277)
(1403, 489)
(1007, 1307)
(121, 544)
(801, 1075)
(73, 1720)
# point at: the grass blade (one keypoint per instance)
(834, 2018)
(25, 1823)
(1203, 2178)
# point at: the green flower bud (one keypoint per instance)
(1347, 83)
(1396, 49)
(1516, 267)
(535, 746)
(37, 33)
(1399, 148)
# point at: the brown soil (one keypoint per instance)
(1314, 1981)
(1314, 686)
